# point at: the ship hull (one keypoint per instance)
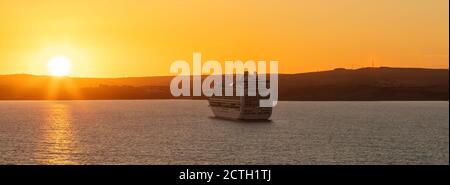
(237, 114)
(226, 113)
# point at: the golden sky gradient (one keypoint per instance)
(116, 38)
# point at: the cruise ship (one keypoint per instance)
(240, 107)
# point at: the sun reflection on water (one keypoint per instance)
(58, 144)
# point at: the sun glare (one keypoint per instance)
(59, 66)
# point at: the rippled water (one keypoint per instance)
(184, 132)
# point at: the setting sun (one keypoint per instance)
(59, 66)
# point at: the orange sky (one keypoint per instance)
(115, 38)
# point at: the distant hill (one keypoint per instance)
(365, 84)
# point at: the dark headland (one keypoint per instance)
(365, 84)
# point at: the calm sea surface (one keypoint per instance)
(184, 132)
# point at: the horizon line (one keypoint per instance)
(318, 71)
